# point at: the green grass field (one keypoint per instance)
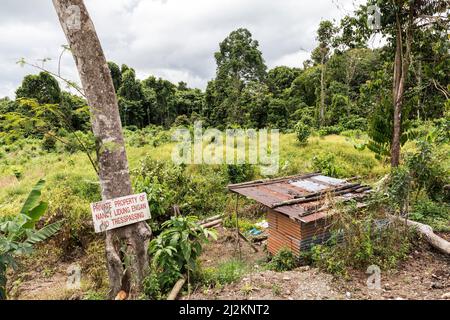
(72, 173)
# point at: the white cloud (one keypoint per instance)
(173, 39)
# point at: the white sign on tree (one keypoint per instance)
(120, 212)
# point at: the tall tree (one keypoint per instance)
(401, 20)
(239, 61)
(43, 87)
(128, 243)
(325, 35)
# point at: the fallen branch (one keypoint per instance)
(176, 289)
(212, 223)
(434, 240)
(202, 222)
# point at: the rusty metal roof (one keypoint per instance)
(305, 198)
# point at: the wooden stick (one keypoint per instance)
(237, 227)
(212, 223)
(176, 289)
(210, 219)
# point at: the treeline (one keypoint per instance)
(344, 85)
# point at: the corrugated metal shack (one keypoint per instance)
(299, 207)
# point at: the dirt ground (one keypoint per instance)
(424, 275)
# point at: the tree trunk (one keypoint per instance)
(401, 68)
(322, 92)
(126, 248)
(425, 230)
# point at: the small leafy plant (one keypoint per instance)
(302, 132)
(284, 260)
(18, 235)
(176, 249)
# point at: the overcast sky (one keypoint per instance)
(173, 39)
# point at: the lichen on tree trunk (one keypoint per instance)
(126, 248)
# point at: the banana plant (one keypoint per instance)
(18, 234)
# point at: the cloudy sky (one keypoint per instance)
(173, 39)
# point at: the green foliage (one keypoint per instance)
(95, 266)
(18, 234)
(167, 185)
(49, 142)
(360, 238)
(225, 273)
(42, 87)
(427, 172)
(434, 214)
(326, 164)
(152, 286)
(399, 187)
(176, 249)
(302, 131)
(238, 173)
(284, 260)
(328, 130)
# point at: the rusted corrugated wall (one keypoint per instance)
(294, 235)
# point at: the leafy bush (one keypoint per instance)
(79, 141)
(225, 273)
(326, 131)
(151, 285)
(427, 172)
(176, 249)
(238, 173)
(354, 123)
(399, 186)
(302, 132)
(362, 237)
(18, 234)
(49, 142)
(326, 164)
(356, 134)
(284, 260)
(437, 215)
(167, 185)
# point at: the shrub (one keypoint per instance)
(326, 131)
(225, 273)
(49, 142)
(362, 237)
(326, 164)
(302, 132)
(181, 121)
(79, 141)
(356, 134)
(176, 249)
(18, 234)
(167, 185)
(354, 123)
(95, 266)
(238, 173)
(437, 215)
(151, 285)
(284, 260)
(427, 173)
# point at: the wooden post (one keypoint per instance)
(238, 237)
